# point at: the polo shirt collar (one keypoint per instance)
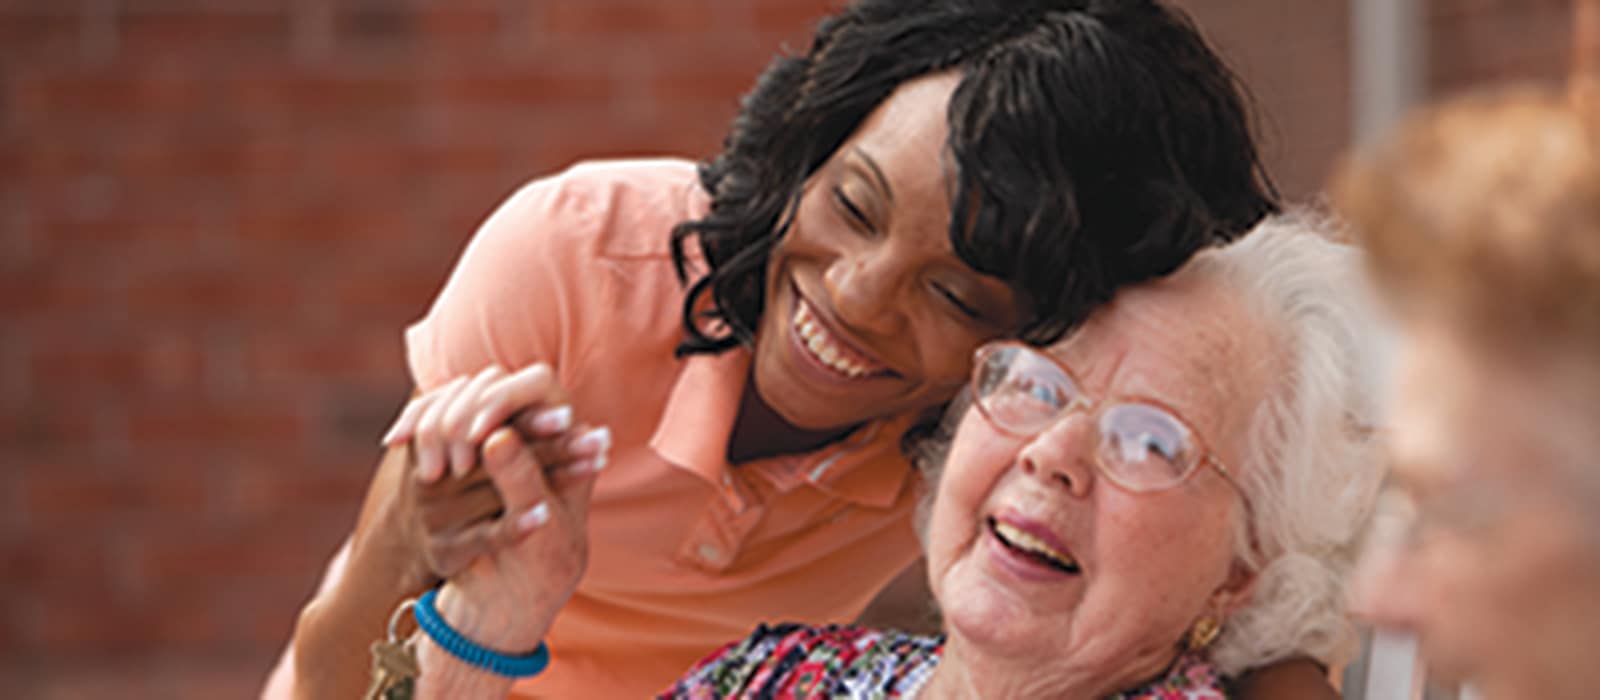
(698, 420)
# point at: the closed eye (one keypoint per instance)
(961, 305)
(851, 209)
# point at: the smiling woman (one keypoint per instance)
(1083, 538)
(929, 176)
(871, 309)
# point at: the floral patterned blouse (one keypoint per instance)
(797, 661)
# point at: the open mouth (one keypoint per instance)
(828, 350)
(1032, 547)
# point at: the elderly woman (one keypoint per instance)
(1161, 501)
(1483, 218)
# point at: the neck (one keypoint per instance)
(758, 430)
(966, 672)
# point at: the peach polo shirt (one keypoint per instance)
(687, 551)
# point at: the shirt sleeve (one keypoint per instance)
(512, 298)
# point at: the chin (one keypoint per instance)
(993, 620)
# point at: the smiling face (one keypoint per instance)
(1144, 566)
(870, 313)
(1499, 576)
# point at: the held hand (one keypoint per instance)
(409, 535)
(458, 519)
(447, 425)
(508, 598)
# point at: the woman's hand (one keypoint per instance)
(507, 599)
(412, 531)
(457, 514)
(447, 425)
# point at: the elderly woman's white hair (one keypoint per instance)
(1314, 468)
(1314, 464)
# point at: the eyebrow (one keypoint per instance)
(883, 182)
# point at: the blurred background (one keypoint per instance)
(216, 217)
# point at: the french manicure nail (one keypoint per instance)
(591, 465)
(534, 517)
(553, 420)
(597, 440)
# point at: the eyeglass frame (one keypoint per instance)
(1092, 409)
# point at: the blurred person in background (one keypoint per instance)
(1482, 216)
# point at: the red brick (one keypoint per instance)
(159, 361)
(119, 239)
(1468, 50)
(315, 359)
(218, 295)
(353, 162)
(171, 361)
(81, 494)
(106, 95)
(459, 20)
(263, 487)
(213, 556)
(614, 18)
(325, 225)
(527, 90)
(81, 565)
(163, 160)
(385, 293)
(217, 34)
(793, 20)
(721, 79)
(37, 294)
(320, 90)
(197, 423)
(64, 620)
(40, 35)
(113, 366)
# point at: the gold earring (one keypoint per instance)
(1203, 633)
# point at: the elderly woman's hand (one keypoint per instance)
(507, 599)
(418, 527)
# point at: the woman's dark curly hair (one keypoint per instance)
(1098, 143)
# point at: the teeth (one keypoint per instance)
(823, 347)
(1033, 545)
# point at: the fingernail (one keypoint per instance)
(553, 420)
(591, 465)
(534, 517)
(597, 441)
(426, 463)
(478, 425)
(387, 436)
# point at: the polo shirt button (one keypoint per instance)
(710, 553)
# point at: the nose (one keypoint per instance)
(863, 286)
(1063, 454)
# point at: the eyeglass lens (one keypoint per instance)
(1143, 446)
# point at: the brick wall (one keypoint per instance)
(216, 216)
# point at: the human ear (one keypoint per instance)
(1235, 590)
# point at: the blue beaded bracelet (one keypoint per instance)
(428, 618)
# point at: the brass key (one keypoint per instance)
(394, 662)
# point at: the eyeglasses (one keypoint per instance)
(1142, 447)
